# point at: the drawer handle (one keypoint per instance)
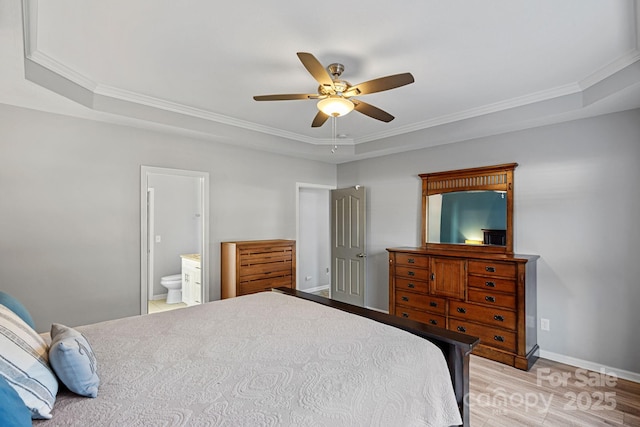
(433, 304)
(405, 314)
(461, 310)
(498, 338)
(461, 329)
(490, 298)
(411, 273)
(433, 321)
(411, 285)
(490, 269)
(490, 284)
(499, 318)
(405, 298)
(411, 261)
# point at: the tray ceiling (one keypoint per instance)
(480, 68)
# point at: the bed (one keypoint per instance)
(273, 358)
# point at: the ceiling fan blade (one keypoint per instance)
(286, 97)
(315, 68)
(371, 111)
(319, 119)
(380, 84)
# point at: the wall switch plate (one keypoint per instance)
(158, 239)
(544, 324)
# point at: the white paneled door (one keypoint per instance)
(348, 225)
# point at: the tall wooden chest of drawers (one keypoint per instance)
(491, 296)
(254, 266)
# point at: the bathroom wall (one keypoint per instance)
(177, 224)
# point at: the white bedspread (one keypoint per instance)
(260, 360)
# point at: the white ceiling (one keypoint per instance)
(480, 67)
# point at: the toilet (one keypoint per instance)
(173, 284)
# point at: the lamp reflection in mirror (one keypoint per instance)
(335, 106)
(473, 241)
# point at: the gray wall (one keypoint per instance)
(70, 208)
(577, 200)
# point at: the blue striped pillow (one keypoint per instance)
(24, 364)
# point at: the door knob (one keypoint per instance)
(361, 255)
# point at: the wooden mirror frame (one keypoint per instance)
(499, 178)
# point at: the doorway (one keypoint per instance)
(331, 253)
(313, 252)
(174, 212)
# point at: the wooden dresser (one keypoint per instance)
(491, 296)
(257, 265)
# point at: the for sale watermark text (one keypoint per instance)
(581, 390)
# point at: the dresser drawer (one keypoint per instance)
(412, 273)
(487, 315)
(423, 302)
(492, 298)
(264, 255)
(492, 283)
(421, 316)
(263, 271)
(493, 337)
(412, 285)
(492, 268)
(412, 260)
(254, 286)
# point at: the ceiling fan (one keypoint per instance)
(336, 95)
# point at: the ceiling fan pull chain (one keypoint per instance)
(334, 130)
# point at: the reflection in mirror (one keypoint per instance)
(468, 217)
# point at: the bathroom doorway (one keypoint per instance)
(174, 212)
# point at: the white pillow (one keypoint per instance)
(24, 364)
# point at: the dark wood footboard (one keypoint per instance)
(455, 346)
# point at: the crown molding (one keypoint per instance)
(610, 69)
(477, 112)
(62, 70)
(64, 80)
(174, 107)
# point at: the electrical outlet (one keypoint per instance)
(544, 324)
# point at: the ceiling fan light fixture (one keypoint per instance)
(335, 106)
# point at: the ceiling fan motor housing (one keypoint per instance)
(335, 69)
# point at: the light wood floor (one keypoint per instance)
(550, 394)
(156, 306)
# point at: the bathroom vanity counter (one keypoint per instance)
(192, 257)
(191, 279)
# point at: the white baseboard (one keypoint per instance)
(315, 289)
(592, 366)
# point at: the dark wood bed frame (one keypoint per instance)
(455, 346)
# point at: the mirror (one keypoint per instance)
(468, 217)
(469, 209)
